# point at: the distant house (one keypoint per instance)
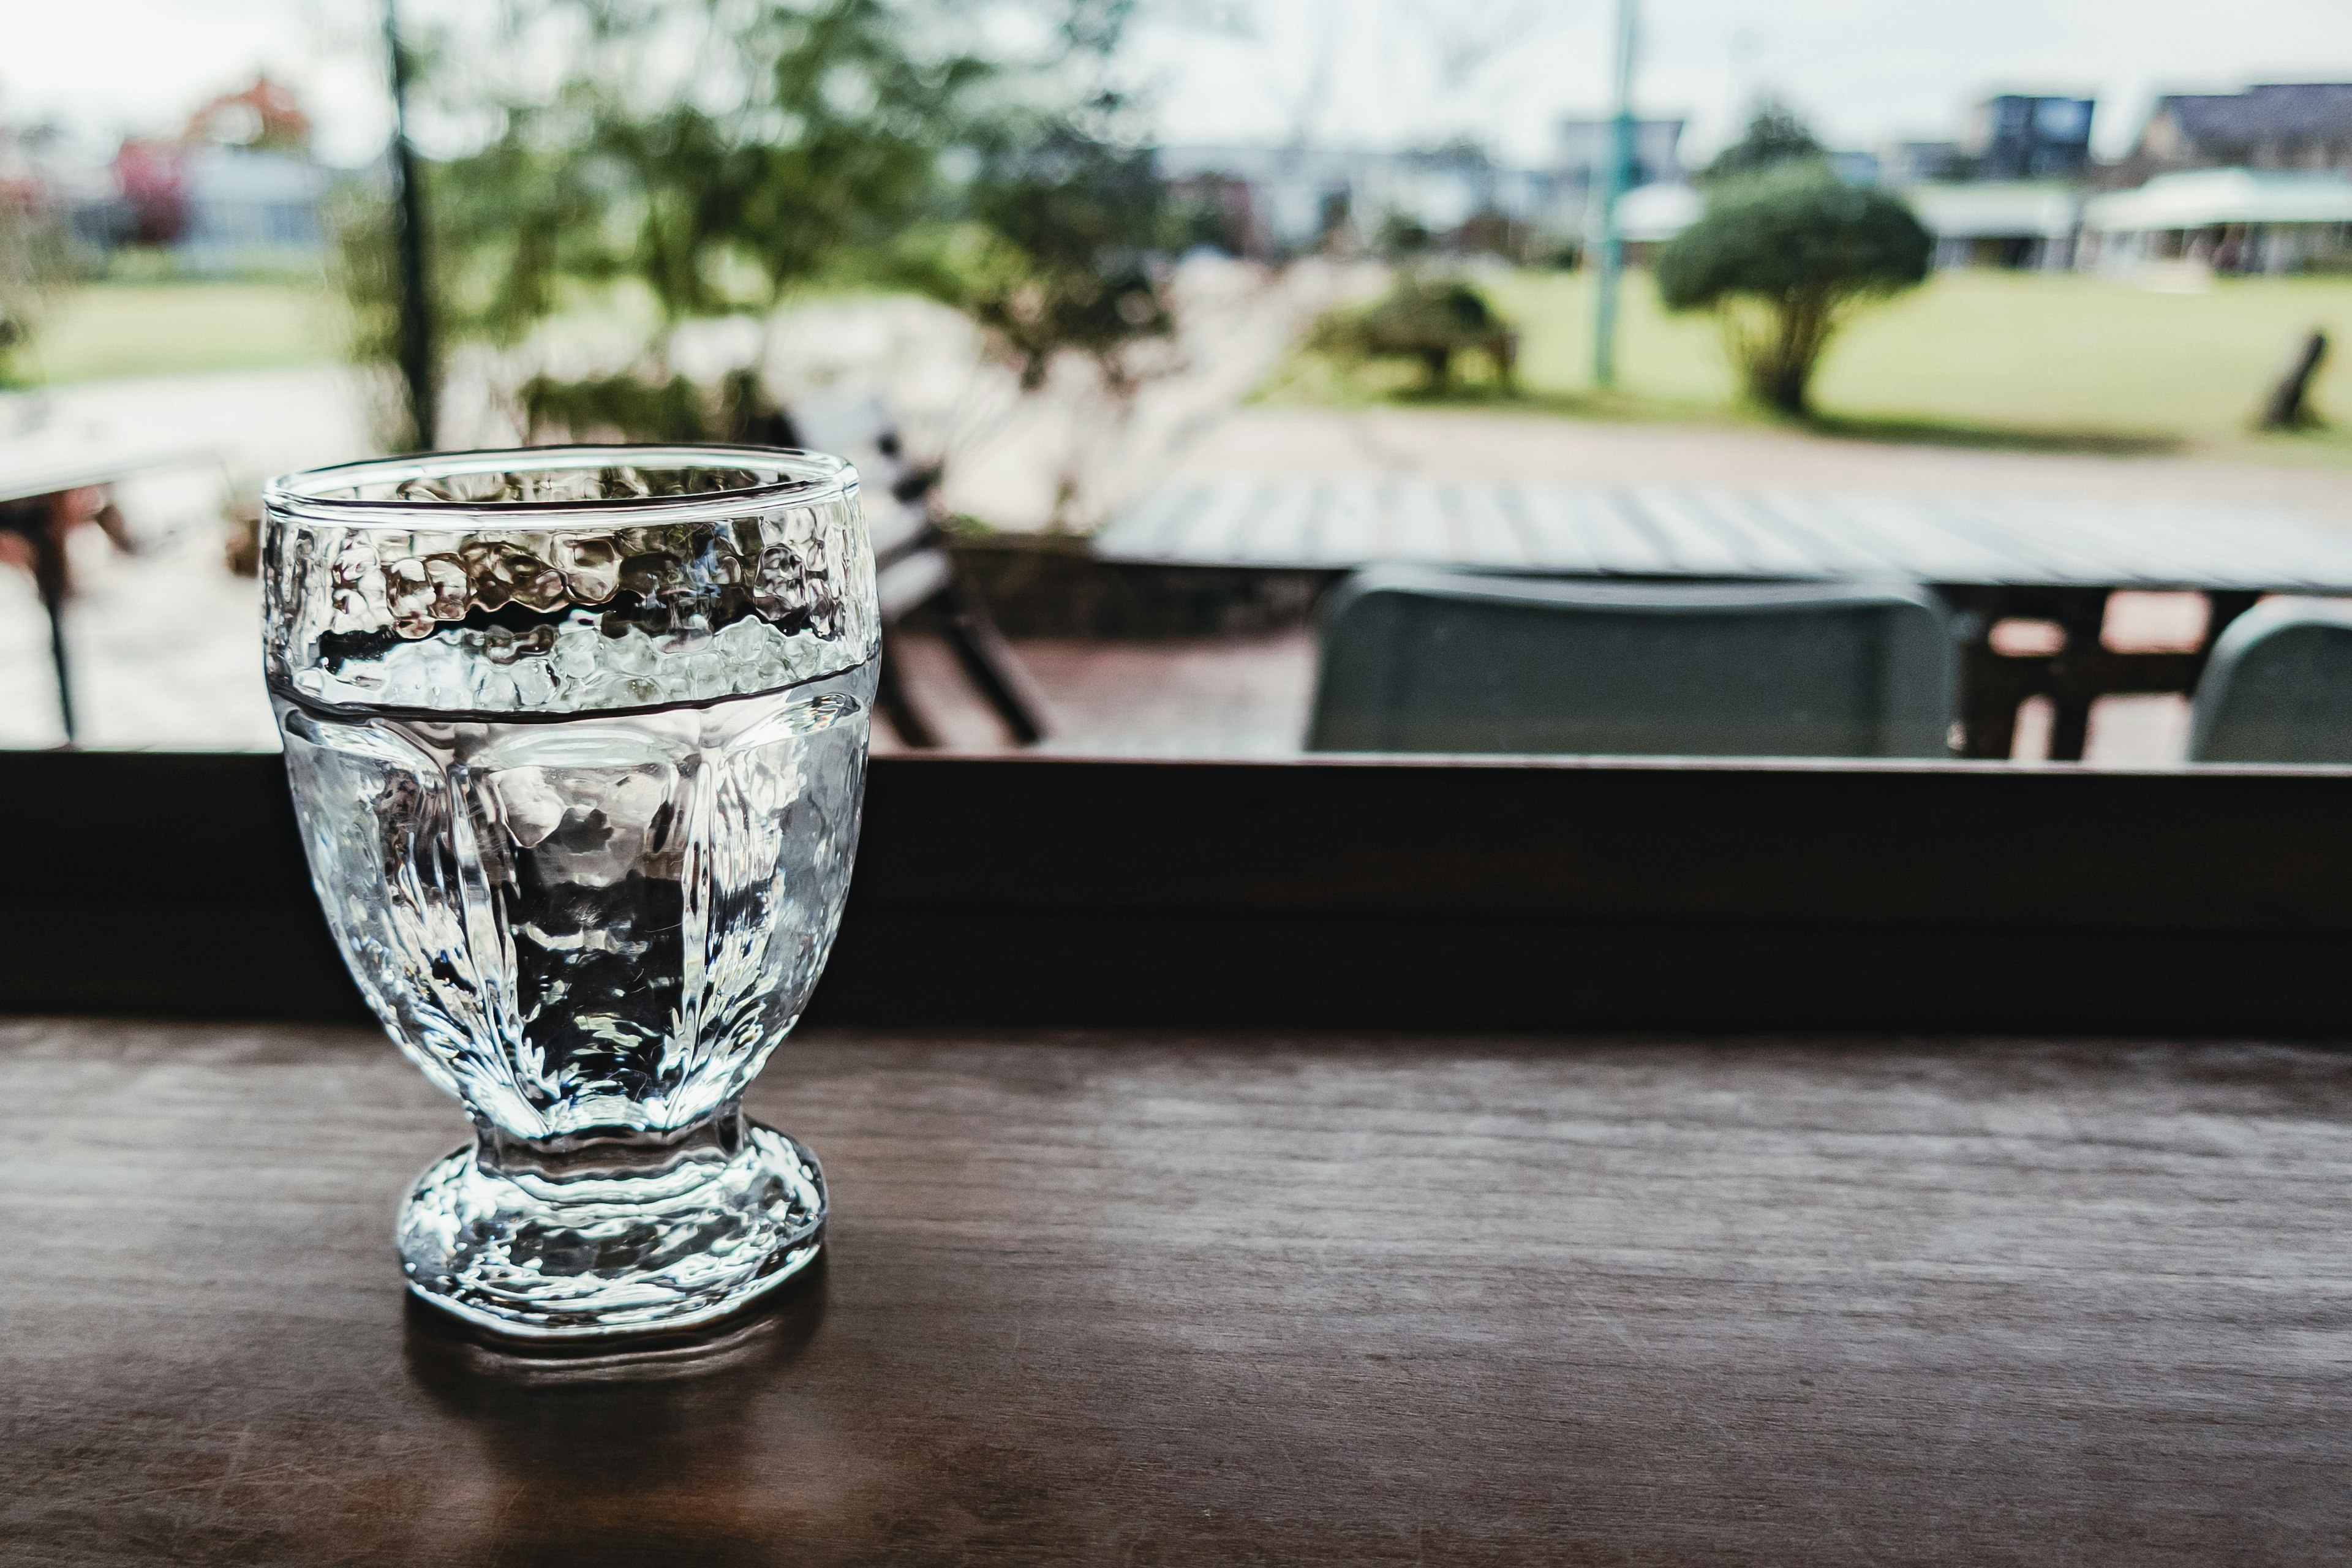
(251, 208)
(2281, 125)
(2232, 220)
(1856, 167)
(1649, 215)
(1916, 162)
(1581, 169)
(2011, 137)
(2030, 136)
(236, 189)
(2008, 193)
(1281, 201)
(2016, 224)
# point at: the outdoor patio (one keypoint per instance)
(163, 641)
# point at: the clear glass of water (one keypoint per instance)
(577, 740)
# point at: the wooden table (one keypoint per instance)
(40, 472)
(50, 460)
(1154, 1298)
(1993, 560)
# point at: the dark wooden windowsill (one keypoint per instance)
(1353, 893)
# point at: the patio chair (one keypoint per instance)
(1422, 660)
(912, 568)
(2278, 688)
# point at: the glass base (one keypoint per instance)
(610, 1237)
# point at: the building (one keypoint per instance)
(2012, 136)
(236, 190)
(1581, 169)
(2028, 136)
(2009, 192)
(1855, 166)
(1919, 163)
(2279, 125)
(2231, 220)
(2015, 223)
(1649, 215)
(1283, 201)
(251, 208)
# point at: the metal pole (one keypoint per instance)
(1618, 174)
(416, 297)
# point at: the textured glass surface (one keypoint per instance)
(577, 740)
(567, 603)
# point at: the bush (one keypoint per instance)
(1783, 260)
(1423, 320)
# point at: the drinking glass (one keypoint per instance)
(577, 740)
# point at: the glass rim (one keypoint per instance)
(822, 477)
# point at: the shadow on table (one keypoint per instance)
(637, 1452)
(470, 1369)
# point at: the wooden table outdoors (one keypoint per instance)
(1131, 1298)
(42, 471)
(1992, 560)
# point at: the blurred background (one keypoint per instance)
(1041, 265)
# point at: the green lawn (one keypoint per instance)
(1984, 358)
(164, 328)
(1978, 357)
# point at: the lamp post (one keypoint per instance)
(416, 299)
(1614, 179)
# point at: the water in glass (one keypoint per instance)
(581, 803)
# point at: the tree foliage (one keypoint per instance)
(1783, 259)
(1065, 230)
(715, 157)
(1774, 136)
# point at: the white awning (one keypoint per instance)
(1996, 209)
(1650, 213)
(2205, 198)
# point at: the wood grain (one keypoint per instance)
(1650, 531)
(1152, 1299)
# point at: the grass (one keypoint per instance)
(166, 329)
(2064, 361)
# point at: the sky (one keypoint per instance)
(1378, 73)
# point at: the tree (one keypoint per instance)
(709, 158)
(1066, 227)
(1774, 136)
(1783, 260)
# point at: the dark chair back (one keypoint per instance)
(1421, 660)
(2278, 688)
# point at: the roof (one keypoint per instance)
(2201, 198)
(1657, 212)
(2318, 110)
(1986, 209)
